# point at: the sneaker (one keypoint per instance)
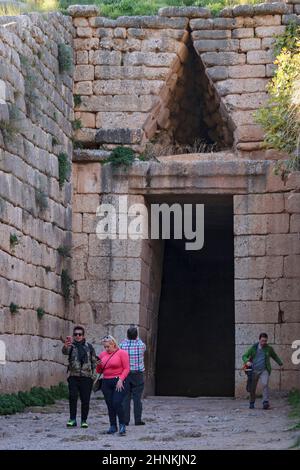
(266, 405)
(112, 429)
(84, 425)
(140, 423)
(251, 405)
(71, 423)
(122, 431)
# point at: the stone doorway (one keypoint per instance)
(196, 330)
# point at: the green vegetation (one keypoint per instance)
(40, 313)
(280, 117)
(13, 308)
(294, 402)
(77, 100)
(121, 156)
(13, 240)
(41, 200)
(64, 250)
(64, 168)
(66, 284)
(115, 8)
(65, 58)
(54, 141)
(76, 124)
(38, 396)
(9, 128)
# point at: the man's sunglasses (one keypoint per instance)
(78, 334)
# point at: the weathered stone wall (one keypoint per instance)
(36, 110)
(118, 281)
(129, 73)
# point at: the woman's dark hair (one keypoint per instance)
(80, 328)
(263, 335)
(132, 332)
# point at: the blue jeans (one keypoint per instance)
(114, 400)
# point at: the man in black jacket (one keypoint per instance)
(81, 368)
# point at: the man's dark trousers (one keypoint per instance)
(81, 386)
(135, 381)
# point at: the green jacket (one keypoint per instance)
(269, 353)
(78, 369)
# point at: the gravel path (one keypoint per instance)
(172, 423)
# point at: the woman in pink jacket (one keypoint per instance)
(114, 364)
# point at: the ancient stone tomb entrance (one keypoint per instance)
(195, 325)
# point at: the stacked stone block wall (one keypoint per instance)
(129, 73)
(36, 110)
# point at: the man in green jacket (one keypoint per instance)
(258, 358)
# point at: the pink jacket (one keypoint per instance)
(117, 366)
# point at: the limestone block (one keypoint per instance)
(286, 333)
(246, 71)
(261, 224)
(105, 57)
(186, 11)
(228, 23)
(253, 245)
(82, 57)
(260, 57)
(77, 223)
(267, 43)
(120, 103)
(245, 101)
(224, 58)
(269, 31)
(92, 291)
(110, 120)
(243, 85)
(259, 267)
(204, 45)
(217, 73)
(249, 289)
(119, 315)
(86, 44)
(290, 311)
(133, 291)
(270, 70)
(295, 223)
(83, 11)
(292, 202)
(258, 203)
(83, 88)
(250, 44)
(89, 179)
(85, 203)
(83, 73)
(256, 312)
(118, 291)
(292, 266)
(98, 267)
(80, 22)
(87, 119)
(211, 34)
(281, 289)
(241, 33)
(84, 32)
(150, 59)
(202, 24)
(124, 87)
(283, 244)
(98, 247)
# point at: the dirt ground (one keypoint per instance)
(172, 423)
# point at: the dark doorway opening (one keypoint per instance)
(196, 339)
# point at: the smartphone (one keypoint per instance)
(69, 339)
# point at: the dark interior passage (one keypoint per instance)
(195, 348)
